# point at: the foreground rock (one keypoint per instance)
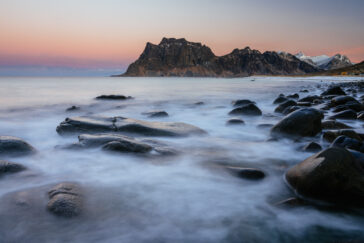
(9, 167)
(249, 110)
(14, 146)
(331, 175)
(65, 200)
(305, 122)
(127, 125)
(113, 97)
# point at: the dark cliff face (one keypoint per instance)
(178, 57)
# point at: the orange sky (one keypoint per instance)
(111, 34)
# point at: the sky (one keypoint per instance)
(101, 37)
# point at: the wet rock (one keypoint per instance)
(113, 97)
(73, 108)
(348, 143)
(249, 110)
(154, 114)
(235, 121)
(242, 102)
(65, 200)
(333, 125)
(293, 96)
(14, 146)
(310, 98)
(265, 125)
(284, 105)
(347, 115)
(334, 90)
(280, 99)
(10, 167)
(291, 109)
(360, 116)
(342, 99)
(127, 146)
(349, 105)
(246, 173)
(304, 104)
(331, 175)
(127, 125)
(301, 123)
(333, 134)
(312, 147)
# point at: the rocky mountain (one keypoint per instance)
(178, 57)
(325, 62)
(356, 69)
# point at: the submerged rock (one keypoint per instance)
(10, 167)
(154, 114)
(127, 125)
(14, 146)
(65, 200)
(113, 97)
(73, 108)
(305, 122)
(242, 102)
(333, 125)
(246, 173)
(332, 175)
(249, 110)
(235, 121)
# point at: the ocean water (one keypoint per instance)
(182, 198)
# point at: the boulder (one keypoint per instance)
(280, 99)
(312, 147)
(127, 146)
(235, 121)
(310, 98)
(293, 96)
(242, 102)
(249, 110)
(333, 134)
(113, 97)
(154, 114)
(10, 167)
(128, 125)
(14, 146)
(348, 143)
(305, 122)
(341, 100)
(331, 175)
(333, 125)
(334, 90)
(291, 109)
(346, 115)
(284, 105)
(349, 105)
(65, 199)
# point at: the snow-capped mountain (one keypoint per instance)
(326, 62)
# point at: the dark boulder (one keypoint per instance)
(331, 175)
(342, 99)
(333, 134)
(293, 96)
(353, 105)
(113, 97)
(242, 102)
(10, 167)
(125, 146)
(303, 122)
(14, 146)
(334, 90)
(249, 110)
(346, 115)
(348, 143)
(333, 125)
(154, 114)
(310, 98)
(235, 121)
(307, 104)
(284, 105)
(65, 200)
(280, 99)
(291, 109)
(312, 147)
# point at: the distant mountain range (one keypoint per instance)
(325, 62)
(179, 57)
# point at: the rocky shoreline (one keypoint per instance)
(331, 177)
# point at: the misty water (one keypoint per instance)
(183, 198)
